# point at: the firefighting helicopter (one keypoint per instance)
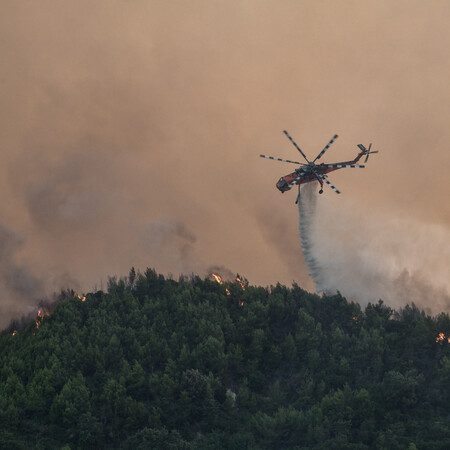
(312, 171)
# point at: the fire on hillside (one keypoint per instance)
(441, 338)
(216, 277)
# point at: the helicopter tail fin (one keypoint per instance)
(366, 151)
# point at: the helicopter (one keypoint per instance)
(316, 172)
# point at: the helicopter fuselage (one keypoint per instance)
(305, 174)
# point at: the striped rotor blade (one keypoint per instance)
(329, 184)
(279, 159)
(340, 166)
(294, 182)
(295, 145)
(326, 148)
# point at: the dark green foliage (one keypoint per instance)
(155, 363)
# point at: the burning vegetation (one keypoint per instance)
(45, 308)
(219, 280)
(40, 315)
(441, 338)
(238, 280)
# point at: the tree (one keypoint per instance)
(71, 402)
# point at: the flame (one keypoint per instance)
(240, 282)
(14, 332)
(82, 298)
(241, 303)
(218, 278)
(40, 315)
(441, 338)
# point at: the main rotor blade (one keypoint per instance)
(340, 166)
(279, 159)
(326, 147)
(295, 145)
(329, 184)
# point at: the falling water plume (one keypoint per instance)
(367, 256)
(307, 216)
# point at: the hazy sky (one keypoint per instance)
(130, 133)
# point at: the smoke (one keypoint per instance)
(170, 241)
(128, 129)
(19, 288)
(367, 256)
(65, 195)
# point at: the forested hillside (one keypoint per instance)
(158, 363)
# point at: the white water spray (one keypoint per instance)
(367, 257)
(307, 213)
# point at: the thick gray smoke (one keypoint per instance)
(130, 134)
(19, 288)
(370, 256)
(172, 240)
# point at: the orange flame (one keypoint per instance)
(240, 282)
(14, 332)
(40, 315)
(441, 338)
(82, 298)
(218, 278)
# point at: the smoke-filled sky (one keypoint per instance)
(130, 133)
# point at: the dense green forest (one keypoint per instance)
(165, 364)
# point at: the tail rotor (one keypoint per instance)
(366, 151)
